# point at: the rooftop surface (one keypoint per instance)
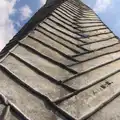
(64, 64)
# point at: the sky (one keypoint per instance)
(108, 11)
(15, 13)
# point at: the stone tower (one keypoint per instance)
(64, 64)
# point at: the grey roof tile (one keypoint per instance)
(64, 64)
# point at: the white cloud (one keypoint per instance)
(2, 44)
(18, 24)
(7, 29)
(102, 5)
(42, 2)
(25, 12)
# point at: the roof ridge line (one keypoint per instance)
(39, 16)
